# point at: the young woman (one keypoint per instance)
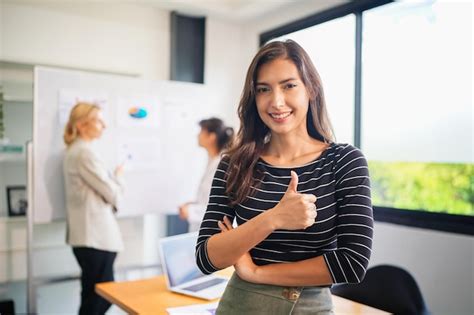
(302, 202)
(214, 137)
(92, 198)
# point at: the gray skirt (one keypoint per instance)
(242, 297)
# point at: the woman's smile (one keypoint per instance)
(281, 117)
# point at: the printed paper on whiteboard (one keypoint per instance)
(139, 155)
(68, 98)
(179, 114)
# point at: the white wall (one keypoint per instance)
(224, 67)
(119, 37)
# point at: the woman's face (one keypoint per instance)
(281, 97)
(206, 139)
(93, 127)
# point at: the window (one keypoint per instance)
(417, 106)
(415, 122)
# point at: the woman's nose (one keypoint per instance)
(278, 99)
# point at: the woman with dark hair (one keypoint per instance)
(214, 137)
(301, 201)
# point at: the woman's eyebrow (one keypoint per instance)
(286, 80)
(281, 82)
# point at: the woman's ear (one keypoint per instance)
(213, 136)
(80, 127)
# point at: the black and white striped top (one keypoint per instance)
(342, 231)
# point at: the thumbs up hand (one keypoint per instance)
(294, 211)
(293, 185)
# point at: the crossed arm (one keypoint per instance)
(232, 246)
(309, 272)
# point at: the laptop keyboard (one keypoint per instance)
(204, 285)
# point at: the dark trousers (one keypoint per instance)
(96, 266)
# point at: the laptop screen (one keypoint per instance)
(177, 253)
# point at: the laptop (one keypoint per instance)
(182, 274)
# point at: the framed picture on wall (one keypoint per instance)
(17, 201)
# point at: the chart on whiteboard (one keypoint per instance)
(138, 112)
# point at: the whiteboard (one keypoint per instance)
(164, 163)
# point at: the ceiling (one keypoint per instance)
(236, 10)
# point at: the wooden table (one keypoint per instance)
(151, 296)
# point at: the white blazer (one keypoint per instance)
(93, 195)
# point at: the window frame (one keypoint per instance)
(459, 224)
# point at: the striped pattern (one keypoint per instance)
(342, 231)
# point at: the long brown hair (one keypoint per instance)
(249, 145)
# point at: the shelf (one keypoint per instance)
(27, 66)
(13, 99)
(16, 91)
(16, 65)
(4, 219)
(12, 157)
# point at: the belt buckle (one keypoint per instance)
(291, 294)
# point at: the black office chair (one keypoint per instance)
(7, 307)
(388, 288)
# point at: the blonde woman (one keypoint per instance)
(92, 198)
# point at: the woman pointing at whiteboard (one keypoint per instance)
(92, 197)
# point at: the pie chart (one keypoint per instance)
(137, 112)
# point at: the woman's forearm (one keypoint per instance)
(309, 272)
(224, 249)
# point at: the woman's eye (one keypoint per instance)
(262, 89)
(290, 85)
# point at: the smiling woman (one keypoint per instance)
(301, 202)
(282, 100)
(279, 74)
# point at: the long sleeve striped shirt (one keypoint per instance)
(342, 231)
